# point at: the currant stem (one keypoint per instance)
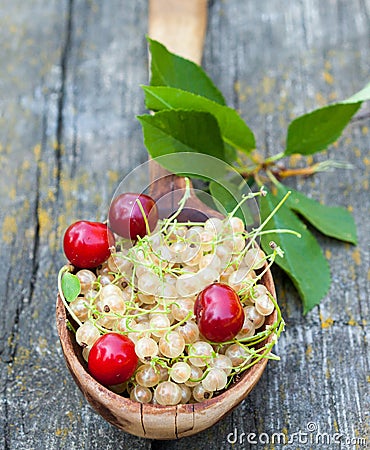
(147, 228)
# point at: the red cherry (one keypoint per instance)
(219, 312)
(112, 359)
(126, 218)
(86, 244)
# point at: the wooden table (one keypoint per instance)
(69, 93)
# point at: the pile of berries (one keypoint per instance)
(167, 312)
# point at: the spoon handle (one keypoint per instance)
(180, 25)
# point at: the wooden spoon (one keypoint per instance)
(180, 25)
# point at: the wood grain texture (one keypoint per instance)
(69, 91)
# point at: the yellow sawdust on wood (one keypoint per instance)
(327, 323)
(44, 221)
(37, 151)
(356, 256)
(320, 99)
(328, 77)
(266, 107)
(357, 152)
(309, 351)
(268, 84)
(309, 160)
(12, 193)
(113, 176)
(9, 229)
(293, 160)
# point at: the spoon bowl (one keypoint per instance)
(151, 420)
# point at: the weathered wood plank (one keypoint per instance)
(69, 91)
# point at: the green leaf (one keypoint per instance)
(314, 131)
(174, 131)
(360, 96)
(71, 286)
(168, 69)
(333, 221)
(233, 128)
(303, 259)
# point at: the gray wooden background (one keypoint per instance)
(69, 91)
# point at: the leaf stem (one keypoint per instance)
(274, 158)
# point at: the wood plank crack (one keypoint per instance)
(66, 49)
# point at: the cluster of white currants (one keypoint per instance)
(147, 292)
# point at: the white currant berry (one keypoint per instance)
(248, 329)
(79, 306)
(180, 372)
(237, 354)
(189, 331)
(159, 324)
(187, 285)
(214, 225)
(264, 305)
(200, 353)
(172, 345)
(86, 352)
(183, 307)
(255, 258)
(207, 276)
(185, 393)
(146, 348)
(200, 394)
(167, 290)
(168, 393)
(119, 263)
(140, 330)
(108, 290)
(207, 239)
(163, 372)
(147, 376)
(237, 224)
(141, 394)
(87, 334)
(215, 380)
(254, 316)
(114, 304)
(149, 283)
(210, 260)
(222, 362)
(87, 279)
(195, 376)
(125, 324)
